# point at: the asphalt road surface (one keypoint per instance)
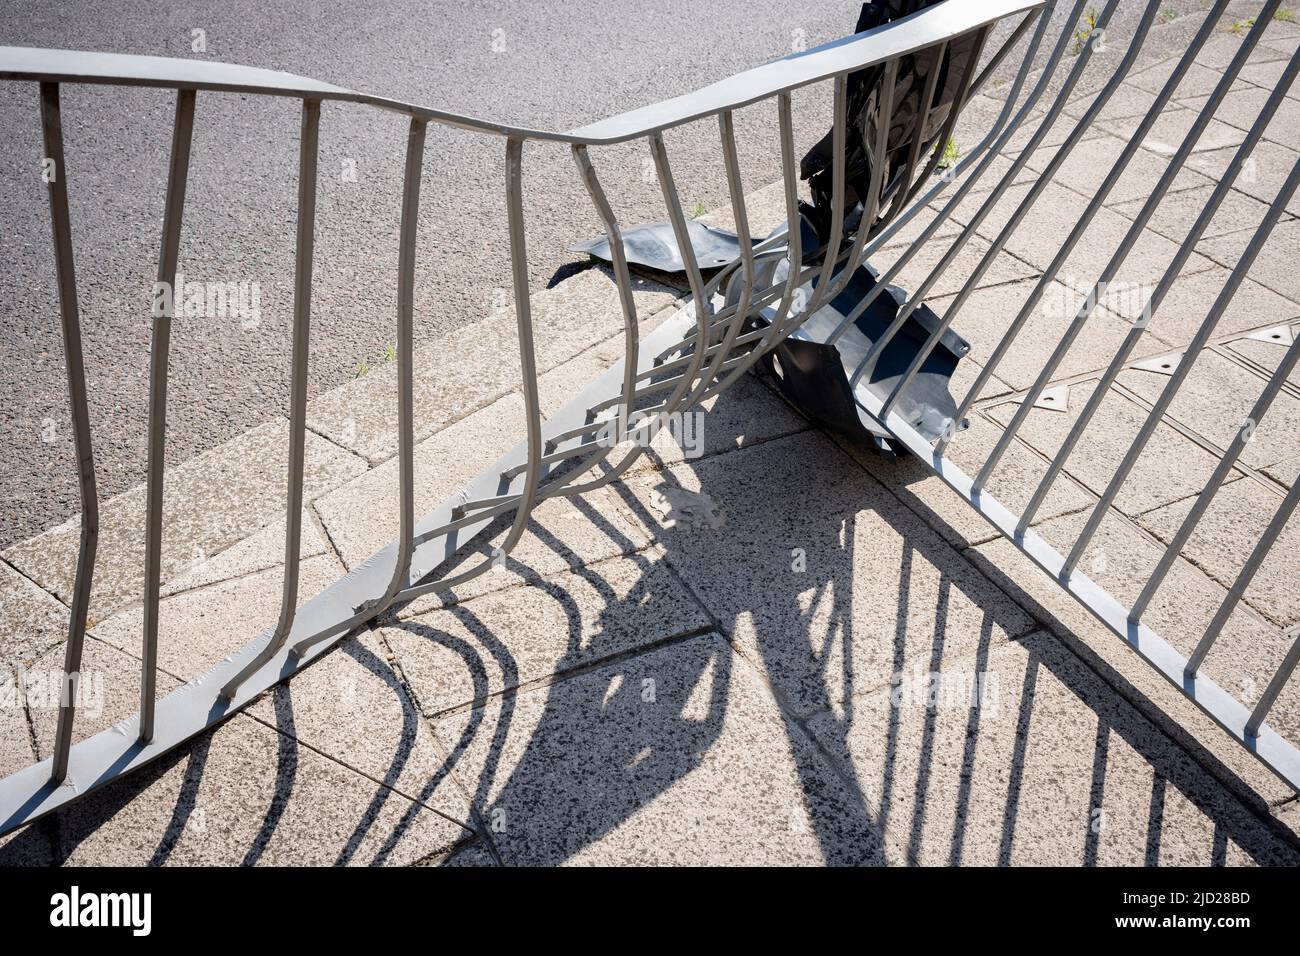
(545, 65)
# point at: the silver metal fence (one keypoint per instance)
(735, 319)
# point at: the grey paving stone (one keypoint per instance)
(1215, 400)
(1228, 533)
(1266, 354)
(744, 414)
(110, 692)
(258, 552)
(1178, 212)
(471, 854)
(35, 845)
(1272, 267)
(1128, 100)
(567, 319)
(1053, 768)
(1268, 75)
(1200, 80)
(1090, 163)
(245, 794)
(1003, 268)
(495, 643)
(1169, 131)
(988, 313)
(1190, 298)
(196, 629)
(1170, 468)
(829, 599)
(210, 503)
(1284, 472)
(352, 707)
(951, 515)
(1241, 107)
(31, 621)
(1261, 176)
(1040, 236)
(1122, 562)
(683, 742)
(15, 737)
(1220, 50)
(362, 515)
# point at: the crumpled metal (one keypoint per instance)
(654, 246)
(863, 115)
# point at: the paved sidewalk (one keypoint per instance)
(791, 686)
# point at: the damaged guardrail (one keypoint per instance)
(841, 338)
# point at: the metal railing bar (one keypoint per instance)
(66, 279)
(904, 186)
(955, 200)
(1171, 273)
(839, 137)
(1246, 575)
(528, 496)
(308, 154)
(997, 59)
(1058, 355)
(1076, 233)
(1221, 472)
(1284, 671)
(1193, 350)
(166, 296)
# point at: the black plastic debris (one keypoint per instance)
(655, 246)
(863, 114)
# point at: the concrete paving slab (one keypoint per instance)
(1112, 659)
(1272, 267)
(950, 515)
(362, 515)
(833, 601)
(567, 319)
(1240, 108)
(1261, 176)
(15, 734)
(210, 503)
(1004, 268)
(245, 795)
(1268, 75)
(988, 313)
(1128, 100)
(110, 692)
(479, 649)
(1190, 298)
(1170, 468)
(1177, 213)
(1173, 127)
(31, 621)
(471, 854)
(1053, 768)
(1038, 239)
(1219, 51)
(1228, 533)
(257, 552)
(1215, 400)
(196, 629)
(351, 706)
(684, 739)
(1089, 163)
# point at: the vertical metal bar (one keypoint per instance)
(165, 298)
(1190, 356)
(1076, 233)
(1126, 244)
(1130, 342)
(839, 137)
(65, 276)
(1221, 472)
(305, 241)
(904, 186)
(1233, 597)
(1282, 675)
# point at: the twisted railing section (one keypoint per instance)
(736, 317)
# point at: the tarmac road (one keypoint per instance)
(550, 66)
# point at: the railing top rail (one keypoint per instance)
(916, 32)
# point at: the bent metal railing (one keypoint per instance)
(735, 319)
